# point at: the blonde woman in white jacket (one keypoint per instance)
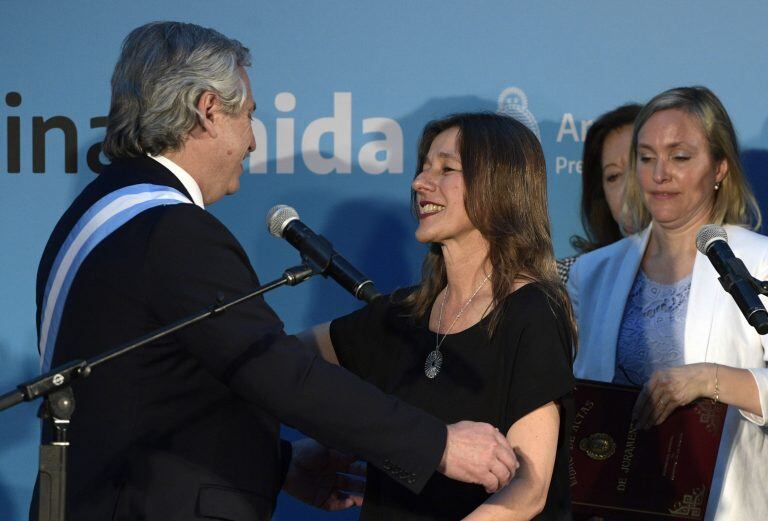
(650, 309)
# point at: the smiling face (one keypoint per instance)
(439, 189)
(614, 161)
(676, 171)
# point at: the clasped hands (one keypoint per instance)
(668, 389)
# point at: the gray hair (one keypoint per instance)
(163, 69)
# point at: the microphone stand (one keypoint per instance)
(756, 315)
(59, 401)
(761, 286)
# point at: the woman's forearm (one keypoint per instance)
(522, 499)
(735, 387)
(674, 387)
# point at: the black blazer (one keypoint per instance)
(188, 428)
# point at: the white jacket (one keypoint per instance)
(715, 331)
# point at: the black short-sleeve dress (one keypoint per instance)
(526, 364)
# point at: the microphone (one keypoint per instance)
(712, 241)
(283, 221)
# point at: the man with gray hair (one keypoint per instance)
(187, 428)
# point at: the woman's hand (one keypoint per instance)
(323, 477)
(668, 389)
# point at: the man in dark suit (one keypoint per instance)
(187, 428)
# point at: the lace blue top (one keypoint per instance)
(652, 331)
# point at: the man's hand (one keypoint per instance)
(478, 453)
(317, 477)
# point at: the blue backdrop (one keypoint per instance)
(343, 89)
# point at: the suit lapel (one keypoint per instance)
(620, 276)
(701, 308)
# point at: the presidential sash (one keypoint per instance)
(107, 215)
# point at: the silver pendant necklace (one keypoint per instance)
(434, 361)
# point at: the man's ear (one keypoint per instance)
(206, 113)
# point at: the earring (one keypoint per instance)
(717, 186)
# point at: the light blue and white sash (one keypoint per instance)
(107, 215)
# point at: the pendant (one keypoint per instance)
(433, 364)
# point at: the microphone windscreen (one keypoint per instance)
(707, 234)
(278, 218)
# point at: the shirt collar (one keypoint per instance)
(183, 176)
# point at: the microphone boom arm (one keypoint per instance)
(63, 375)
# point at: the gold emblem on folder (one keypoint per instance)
(598, 446)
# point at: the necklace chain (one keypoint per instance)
(438, 341)
(435, 358)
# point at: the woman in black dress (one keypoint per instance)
(488, 333)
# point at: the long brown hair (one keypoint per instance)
(506, 200)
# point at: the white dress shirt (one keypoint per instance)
(183, 176)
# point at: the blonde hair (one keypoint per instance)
(734, 201)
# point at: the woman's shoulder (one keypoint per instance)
(396, 308)
(398, 300)
(596, 260)
(612, 249)
(739, 236)
(532, 302)
(400, 294)
(534, 318)
(751, 247)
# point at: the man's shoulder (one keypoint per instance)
(119, 175)
(185, 228)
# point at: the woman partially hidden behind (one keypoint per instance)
(604, 160)
(650, 309)
(487, 335)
